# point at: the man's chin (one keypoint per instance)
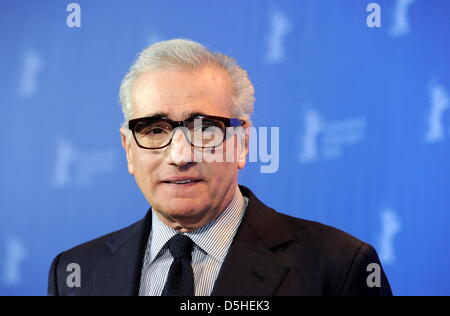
(183, 211)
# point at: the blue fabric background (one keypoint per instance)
(364, 118)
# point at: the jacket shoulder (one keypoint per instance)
(323, 244)
(336, 260)
(111, 240)
(96, 258)
(321, 233)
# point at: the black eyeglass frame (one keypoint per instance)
(228, 122)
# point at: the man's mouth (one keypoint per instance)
(182, 181)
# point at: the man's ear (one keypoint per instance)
(126, 144)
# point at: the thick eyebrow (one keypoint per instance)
(188, 114)
(157, 115)
(192, 114)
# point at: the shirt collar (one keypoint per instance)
(214, 238)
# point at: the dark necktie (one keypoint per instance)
(180, 280)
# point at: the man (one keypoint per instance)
(204, 233)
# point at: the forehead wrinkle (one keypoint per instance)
(148, 97)
(155, 88)
(188, 104)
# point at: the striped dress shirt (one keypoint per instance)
(211, 246)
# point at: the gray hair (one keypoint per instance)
(188, 55)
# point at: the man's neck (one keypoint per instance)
(189, 224)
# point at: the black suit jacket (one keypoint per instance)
(272, 254)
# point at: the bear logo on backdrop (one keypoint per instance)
(326, 139)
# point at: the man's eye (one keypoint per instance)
(156, 131)
(206, 125)
(153, 131)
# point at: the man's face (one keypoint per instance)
(177, 94)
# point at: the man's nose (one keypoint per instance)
(180, 149)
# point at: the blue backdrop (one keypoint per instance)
(364, 117)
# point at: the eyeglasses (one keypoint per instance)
(203, 131)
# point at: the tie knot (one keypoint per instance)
(180, 246)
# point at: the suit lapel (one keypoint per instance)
(121, 272)
(252, 266)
